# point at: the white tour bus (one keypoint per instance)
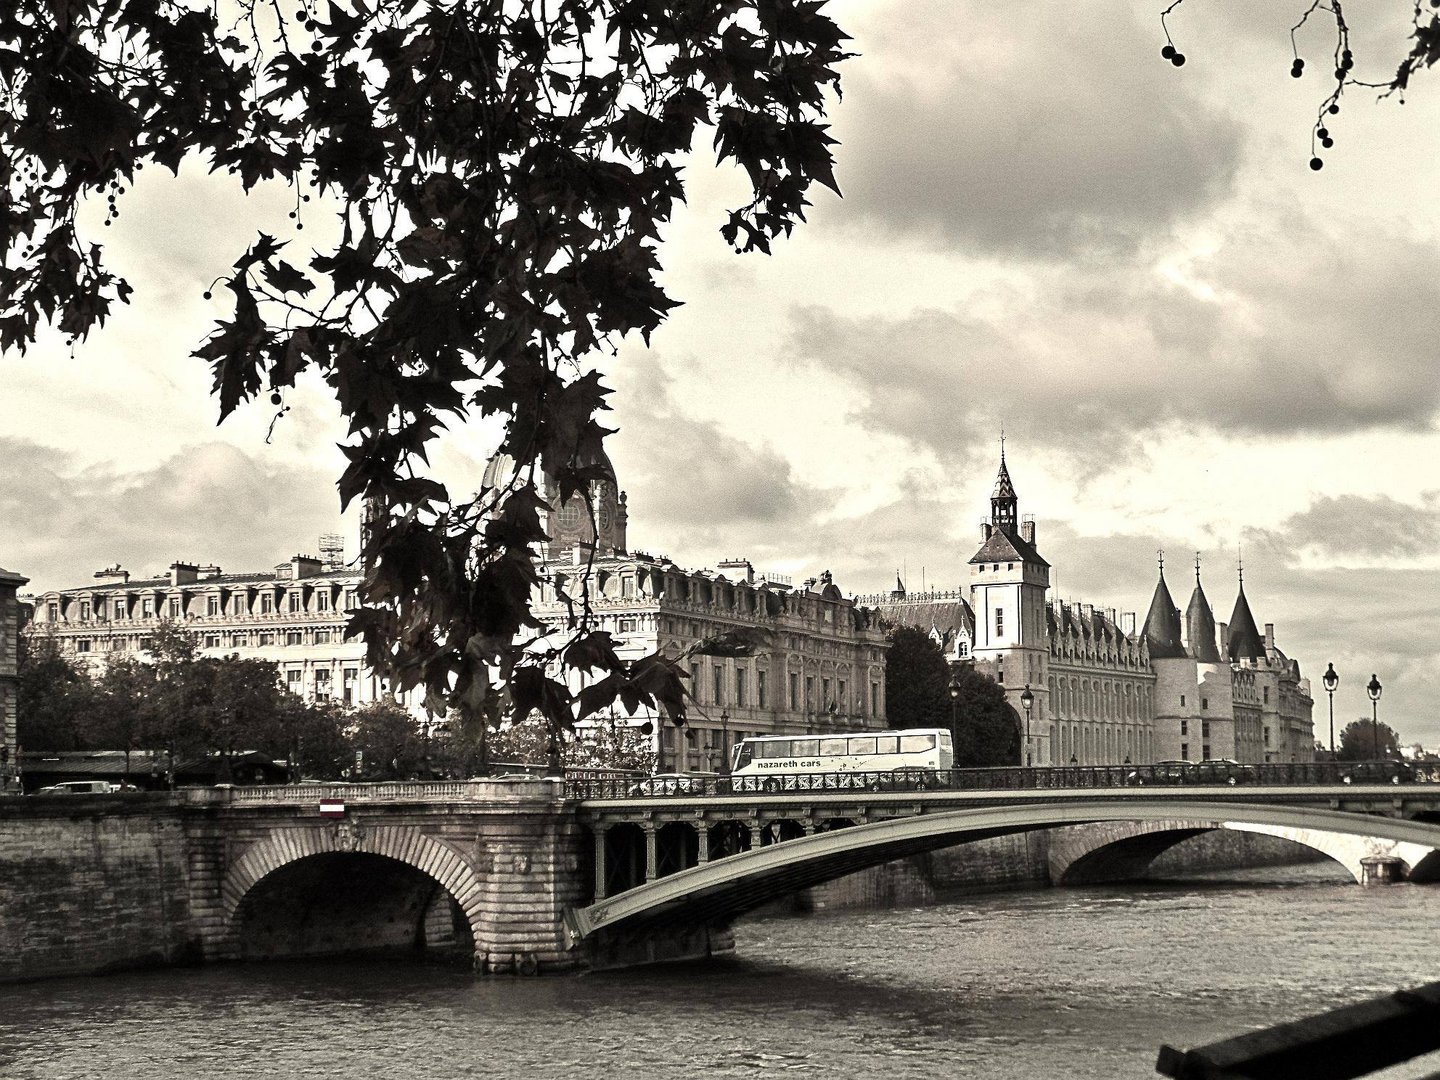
(764, 760)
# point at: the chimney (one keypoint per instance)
(115, 571)
(1027, 530)
(210, 571)
(1223, 631)
(183, 573)
(1110, 614)
(1128, 624)
(984, 531)
(746, 572)
(302, 566)
(1269, 637)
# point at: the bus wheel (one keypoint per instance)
(770, 784)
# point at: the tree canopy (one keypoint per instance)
(1363, 740)
(501, 171)
(918, 681)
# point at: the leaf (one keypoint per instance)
(286, 278)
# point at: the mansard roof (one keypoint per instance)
(1245, 641)
(947, 616)
(1007, 545)
(263, 577)
(1162, 624)
(1200, 626)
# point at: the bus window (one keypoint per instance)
(863, 746)
(887, 744)
(834, 747)
(743, 754)
(917, 744)
(775, 748)
(804, 748)
(945, 743)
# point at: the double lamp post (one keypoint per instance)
(1331, 680)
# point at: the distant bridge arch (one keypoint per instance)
(1120, 850)
(715, 892)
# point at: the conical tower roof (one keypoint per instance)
(1162, 624)
(1200, 624)
(1245, 641)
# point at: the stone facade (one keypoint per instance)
(1104, 692)
(10, 584)
(293, 615)
(817, 662)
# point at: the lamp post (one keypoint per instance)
(1331, 679)
(724, 742)
(1374, 691)
(1027, 699)
(954, 691)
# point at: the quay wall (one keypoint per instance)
(88, 886)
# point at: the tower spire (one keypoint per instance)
(1004, 505)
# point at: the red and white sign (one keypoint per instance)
(332, 808)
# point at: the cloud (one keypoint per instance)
(1365, 530)
(1055, 134)
(1281, 330)
(208, 503)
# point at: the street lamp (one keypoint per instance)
(724, 742)
(1374, 691)
(1331, 679)
(1027, 699)
(954, 691)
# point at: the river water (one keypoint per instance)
(1079, 983)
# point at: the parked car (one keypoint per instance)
(1378, 772)
(1221, 771)
(1163, 772)
(694, 783)
(80, 787)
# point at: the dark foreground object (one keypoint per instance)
(1353, 1041)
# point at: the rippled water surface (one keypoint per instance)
(1061, 982)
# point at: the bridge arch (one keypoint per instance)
(285, 848)
(714, 893)
(1120, 850)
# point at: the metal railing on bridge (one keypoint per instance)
(1010, 778)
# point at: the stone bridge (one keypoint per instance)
(523, 877)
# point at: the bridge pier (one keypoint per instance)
(1381, 870)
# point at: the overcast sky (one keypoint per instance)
(1192, 341)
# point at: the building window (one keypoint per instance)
(840, 697)
(627, 626)
(1182, 701)
(1204, 703)
(794, 691)
(147, 608)
(719, 684)
(84, 609)
(267, 604)
(322, 602)
(740, 687)
(695, 680)
(322, 684)
(1184, 751)
(1266, 692)
(212, 605)
(1267, 736)
(999, 621)
(351, 675)
(1205, 729)
(294, 637)
(293, 680)
(82, 644)
(824, 693)
(295, 602)
(119, 609)
(212, 641)
(350, 603)
(962, 648)
(53, 608)
(322, 637)
(174, 607)
(267, 637)
(760, 689)
(1184, 727)
(874, 699)
(809, 693)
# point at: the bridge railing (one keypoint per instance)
(1224, 774)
